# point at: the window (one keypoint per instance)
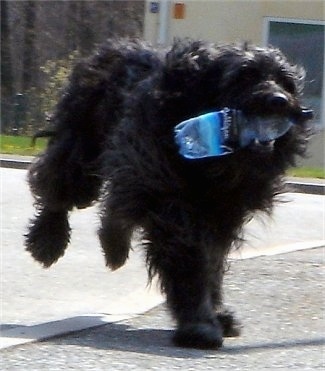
(303, 43)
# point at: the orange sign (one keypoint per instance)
(179, 10)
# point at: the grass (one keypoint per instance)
(22, 145)
(307, 172)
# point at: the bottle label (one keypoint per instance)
(204, 136)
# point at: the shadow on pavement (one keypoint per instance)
(121, 337)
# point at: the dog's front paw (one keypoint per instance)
(230, 325)
(199, 335)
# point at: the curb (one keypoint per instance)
(309, 186)
(15, 164)
(306, 187)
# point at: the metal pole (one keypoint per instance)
(163, 22)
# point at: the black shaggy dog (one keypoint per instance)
(113, 141)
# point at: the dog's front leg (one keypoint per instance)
(176, 254)
(115, 236)
(230, 325)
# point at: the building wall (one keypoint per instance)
(228, 21)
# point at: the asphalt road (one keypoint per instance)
(280, 298)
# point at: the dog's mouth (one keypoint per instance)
(260, 133)
(262, 146)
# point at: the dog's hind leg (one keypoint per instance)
(67, 174)
(57, 188)
(49, 234)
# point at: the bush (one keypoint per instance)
(40, 103)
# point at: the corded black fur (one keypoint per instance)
(114, 141)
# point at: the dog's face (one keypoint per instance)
(260, 82)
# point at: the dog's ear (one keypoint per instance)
(186, 61)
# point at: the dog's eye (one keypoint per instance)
(287, 82)
(289, 86)
(249, 74)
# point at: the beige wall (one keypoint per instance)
(222, 22)
(237, 20)
(230, 20)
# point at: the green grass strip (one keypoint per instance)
(21, 145)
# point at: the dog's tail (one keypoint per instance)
(41, 134)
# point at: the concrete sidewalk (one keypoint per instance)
(279, 299)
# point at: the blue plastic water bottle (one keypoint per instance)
(223, 132)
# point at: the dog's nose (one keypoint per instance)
(278, 100)
(307, 114)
